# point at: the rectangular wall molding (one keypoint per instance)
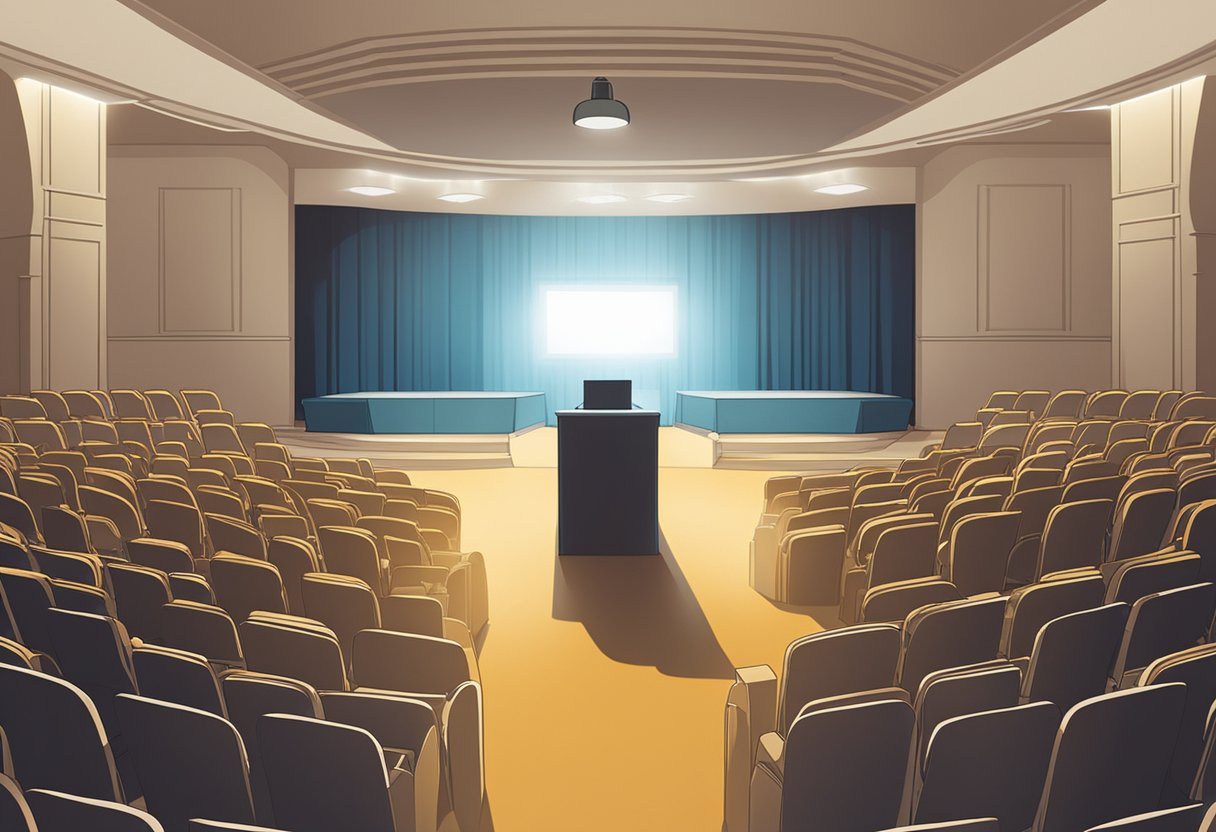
(1024, 250)
(200, 266)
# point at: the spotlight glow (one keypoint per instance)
(841, 190)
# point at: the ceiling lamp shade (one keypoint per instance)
(601, 111)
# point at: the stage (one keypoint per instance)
(425, 412)
(792, 411)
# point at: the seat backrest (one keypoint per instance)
(201, 628)
(353, 552)
(955, 691)
(903, 552)
(29, 597)
(1073, 654)
(190, 763)
(1030, 607)
(344, 604)
(1132, 579)
(407, 662)
(166, 555)
(978, 554)
(894, 602)
(243, 585)
(1110, 758)
(836, 662)
(1075, 536)
(1066, 403)
(1141, 522)
(990, 763)
(178, 676)
(294, 558)
(850, 764)
(323, 776)
(1164, 623)
(94, 652)
(55, 735)
(949, 635)
(1196, 668)
(249, 696)
(299, 648)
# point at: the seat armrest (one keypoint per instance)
(770, 752)
(751, 712)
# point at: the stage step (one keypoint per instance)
(817, 452)
(406, 451)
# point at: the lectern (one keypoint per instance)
(607, 482)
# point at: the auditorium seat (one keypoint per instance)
(299, 648)
(1030, 607)
(293, 557)
(840, 768)
(54, 736)
(15, 812)
(243, 585)
(323, 776)
(1196, 668)
(1163, 623)
(990, 764)
(190, 762)
(1140, 523)
(957, 691)
(1111, 758)
(952, 634)
(1072, 656)
(204, 629)
(177, 676)
(1130, 580)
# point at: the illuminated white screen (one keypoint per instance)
(611, 321)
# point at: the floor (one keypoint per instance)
(605, 678)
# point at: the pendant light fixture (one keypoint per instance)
(601, 111)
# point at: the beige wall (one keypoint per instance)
(52, 238)
(1163, 150)
(1014, 264)
(200, 259)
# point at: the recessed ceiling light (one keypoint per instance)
(840, 190)
(1088, 109)
(668, 197)
(370, 190)
(461, 197)
(601, 111)
(601, 199)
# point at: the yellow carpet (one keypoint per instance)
(605, 678)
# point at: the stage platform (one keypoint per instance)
(425, 412)
(792, 411)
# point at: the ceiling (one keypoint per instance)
(747, 105)
(489, 87)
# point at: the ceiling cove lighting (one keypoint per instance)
(370, 190)
(841, 190)
(669, 198)
(601, 199)
(461, 197)
(601, 111)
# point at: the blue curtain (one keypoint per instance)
(390, 300)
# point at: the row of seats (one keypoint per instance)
(1029, 614)
(295, 652)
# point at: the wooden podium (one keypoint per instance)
(607, 482)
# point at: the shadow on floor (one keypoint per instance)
(639, 609)
(827, 617)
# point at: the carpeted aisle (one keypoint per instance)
(605, 678)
